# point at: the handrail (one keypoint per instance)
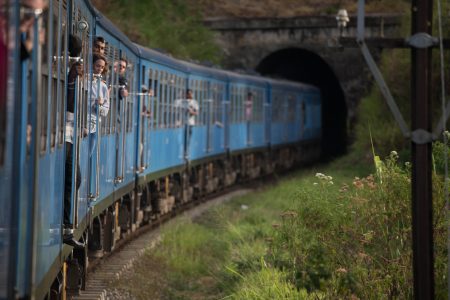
(75, 148)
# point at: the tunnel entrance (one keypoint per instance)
(307, 67)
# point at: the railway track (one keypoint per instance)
(111, 266)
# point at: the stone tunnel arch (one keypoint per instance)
(306, 66)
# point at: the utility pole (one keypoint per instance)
(421, 43)
(422, 206)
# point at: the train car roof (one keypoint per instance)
(114, 31)
(160, 58)
(247, 78)
(210, 72)
(283, 84)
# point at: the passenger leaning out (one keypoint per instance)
(99, 97)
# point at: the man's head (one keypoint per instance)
(99, 45)
(122, 66)
(189, 94)
(75, 45)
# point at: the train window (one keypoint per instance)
(232, 104)
(156, 86)
(213, 99)
(56, 71)
(206, 103)
(151, 97)
(170, 86)
(61, 106)
(177, 102)
(163, 98)
(303, 113)
(3, 86)
(43, 111)
(220, 94)
(277, 108)
(112, 115)
(130, 102)
(238, 104)
(200, 102)
(242, 98)
(45, 88)
(291, 108)
(260, 106)
(166, 99)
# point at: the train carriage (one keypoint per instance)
(138, 164)
(209, 88)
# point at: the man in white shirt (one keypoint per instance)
(191, 113)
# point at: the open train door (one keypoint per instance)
(144, 119)
(120, 104)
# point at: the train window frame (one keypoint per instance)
(63, 41)
(130, 72)
(61, 104)
(170, 100)
(52, 68)
(156, 84)
(4, 93)
(164, 99)
(114, 96)
(199, 119)
(291, 102)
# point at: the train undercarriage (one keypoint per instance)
(154, 200)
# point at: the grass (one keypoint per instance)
(333, 236)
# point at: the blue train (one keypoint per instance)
(142, 159)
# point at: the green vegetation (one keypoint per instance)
(170, 25)
(374, 115)
(308, 237)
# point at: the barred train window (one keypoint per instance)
(45, 85)
(3, 91)
(291, 108)
(130, 102)
(63, 78)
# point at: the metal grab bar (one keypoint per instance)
(124, 132)
(120, 176)
(143, 133)
(76, 150)
(94, 196)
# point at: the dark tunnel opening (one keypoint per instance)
(307, 67)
